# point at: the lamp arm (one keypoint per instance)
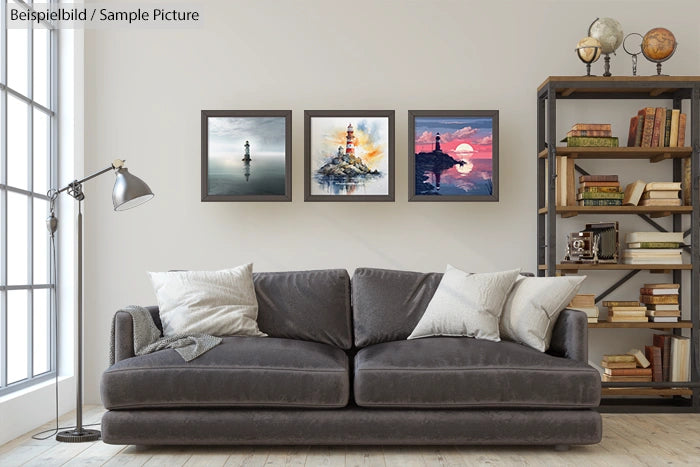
(117, 164)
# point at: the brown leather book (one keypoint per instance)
(598, 178)
(659, 125)
(592, 126)
(632, 135)
(663, 341)
(628, 371)
(659, 299)
(648, 130)
(653, 354)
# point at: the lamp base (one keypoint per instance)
(75, 436)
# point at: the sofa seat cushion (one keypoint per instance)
(241, 371)
(461, 372)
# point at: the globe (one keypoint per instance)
(588, 49)
(658, 44)
(609, 32)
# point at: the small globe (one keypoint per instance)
(609, 32)
(658, 44)
(588, 49)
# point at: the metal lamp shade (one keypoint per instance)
(129, 191)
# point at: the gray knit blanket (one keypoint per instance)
(147, 337)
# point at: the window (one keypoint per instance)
(27, 171)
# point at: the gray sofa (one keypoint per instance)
(337, 369)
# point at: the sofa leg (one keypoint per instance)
(561, 447)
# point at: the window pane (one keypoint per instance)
(42, 326)
(41, 242)
(41, 65)
(17, 59)
(41, 152)
(17, 238)
(17, 150)
(16, 335)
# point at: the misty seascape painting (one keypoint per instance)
(246, 156)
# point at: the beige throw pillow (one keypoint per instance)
(466, 304)
(220, 303)
(533, 306)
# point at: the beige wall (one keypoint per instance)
(145, 89)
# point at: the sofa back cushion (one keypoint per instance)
(388, 304)
(307, 305)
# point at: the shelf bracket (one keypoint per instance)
(660, 157)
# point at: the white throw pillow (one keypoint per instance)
(220, 303)
(533, 307)
(466, 304)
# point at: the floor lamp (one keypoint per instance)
(129, 191)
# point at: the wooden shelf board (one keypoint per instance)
(653, 154)
(654, 85)
(617, 267)
(649, 325)
(656, 211)
(646, 391)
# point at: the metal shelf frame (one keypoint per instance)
(677, 89)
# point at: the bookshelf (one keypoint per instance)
(626, 397)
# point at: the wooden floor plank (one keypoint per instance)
(130, 456)
(364, 456)
(408, 456)
(246, 457)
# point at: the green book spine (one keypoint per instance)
(657, 245)
(600, 189)
(590, 141)
(593, 195)
(600, 202)
(667, 131)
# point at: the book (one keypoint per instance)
(625, 379)
(659, 123)
(665, 285)
(633, 193)
(591, 141)
(627, 309)
(600, 202)
(582, 300)
(610, 303)
(628, 319)
(667, 129)
(652, 252)
(680, 359)
(681, 130)
(647, 291)
(673, 139)
(653, 245)
(599, 195)
(640, 129)
(648, 129)
(653, 354)
(659, 299)
(628, 371)
(632, 135)
(599, 178)
(589, 133)
(663, 319)
(663, 341)
(653, 260)
(592, 319)
(619, 358)
(599, 189)
(660, 194)
(591, 183)
(591, 311)
(639, 356)
(663, 186)
(661, 307)
(676, 237)
(664, 313)
(592, 126)
(686, 184)
(660, 202)
(632, 364)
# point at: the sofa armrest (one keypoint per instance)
(124, 333)
(570, 336)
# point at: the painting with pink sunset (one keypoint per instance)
(453, 155)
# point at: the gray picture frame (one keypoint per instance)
(309, 115)
(205, 115)
(412, 115)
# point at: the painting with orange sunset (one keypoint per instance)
(455, 156)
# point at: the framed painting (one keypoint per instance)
(453, 155)
(349, 155)
(246, 155)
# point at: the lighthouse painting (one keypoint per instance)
(454, 155)
(246, 155)
(349, 155)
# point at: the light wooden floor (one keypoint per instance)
(627, 440)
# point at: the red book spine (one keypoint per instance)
(648, 126)
(659, 123)
(634, 121)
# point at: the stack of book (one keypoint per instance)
(626, 311)
(661, 194)
(670, 358)
(657, 127)
(599, 190)
(661, 301)
(630, 367)
(585, 303)
(591, 135)
(653, 248)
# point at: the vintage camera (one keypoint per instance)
(597, 243)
